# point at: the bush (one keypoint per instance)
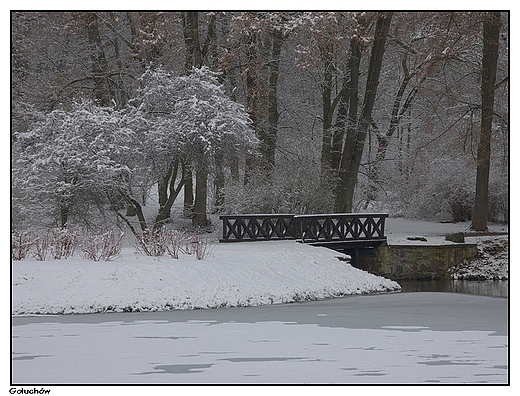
(106, 246)
(172, 242)
(56, 243)
(21, 243)
(63, 242)
(499, 200)
(443, 191)
(151, 242)
(43, 247)
(200, 246)
(460, 202)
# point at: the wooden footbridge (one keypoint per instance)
(344, 232)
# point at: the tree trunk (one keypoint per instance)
(64, 216)
(252, 98)
(384, 139)
(102, 89)
(219, 181)
(272, 100)
(354, 144)
(188, 191)
(209, 50)
(162, 187)
(491, 30)
(193, 59)
(397, 113)
(327, 108)
(201, 192)
(191, 40)
(137, 207)
(348, 106)
(168, 193)
(340, 126)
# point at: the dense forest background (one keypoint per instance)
(296, 112)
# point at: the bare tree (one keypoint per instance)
(491, 31)
(354, 144)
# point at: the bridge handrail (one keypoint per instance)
(317, 227)
(253, 227)
(341, 226)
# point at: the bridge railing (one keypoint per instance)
(238, 228)
(308, 228)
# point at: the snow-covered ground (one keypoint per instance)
(492, 261)
(233, 274)
(398, 230)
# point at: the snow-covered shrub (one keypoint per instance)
(460, 201)
(163, 241)
(63, 242)
(499, 198)
(445, 191)
(174, 242)
(200, 246)
(21, 243)
(151, 242)
(42, 249)
(105, 246)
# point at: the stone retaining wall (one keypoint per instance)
(414, 261)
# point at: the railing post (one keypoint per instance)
(224, 227)
(382, 228)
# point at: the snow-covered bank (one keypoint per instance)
(492, 261)
(239, 274)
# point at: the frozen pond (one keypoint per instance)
(497, 288)
(394, 338)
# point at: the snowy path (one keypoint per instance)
(393, 338)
